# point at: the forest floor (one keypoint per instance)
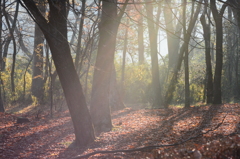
(199, 132)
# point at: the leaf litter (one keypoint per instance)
(214, 132)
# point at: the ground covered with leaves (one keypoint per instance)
(206, 132)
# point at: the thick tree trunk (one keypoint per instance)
(99, 107)
(108, 27)
(217, 92)
(55, 32)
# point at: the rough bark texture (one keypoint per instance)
(55, 32)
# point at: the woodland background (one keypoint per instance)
(100, 58)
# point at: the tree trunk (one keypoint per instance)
(153, 32)
(116, 102)
(173, 82)
(79, 49)
(37, 76)
(207, 38)
(1, 60)
(124, 62)
(108, 27)
(217, 92)
(55, 32)
(140, 41)
(99, 107)
(186, 67)
(11, 32)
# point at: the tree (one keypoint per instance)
(37, 75)
(55, 31)
(173, 34)
(108, 27)
(207, 37)
(140, 31)
(186, 64)
(1, 60)
(218, 15)
(174, 77)
(153, 32)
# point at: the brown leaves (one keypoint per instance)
(50, 138)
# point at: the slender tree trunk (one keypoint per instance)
(153, 32)
(207, 38)
(116, 102)
(173, 82)
(186, 67)
(79, 49)
(124, 61)
(11, 32)
(37, 76)
(1, 60)
(172, 53)
(140, 41)
(55, 31)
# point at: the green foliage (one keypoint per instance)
(137, 83)
(19, 82)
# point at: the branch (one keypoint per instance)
(34, 12)
(122, 10)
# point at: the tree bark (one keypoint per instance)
(207, 38)
(1, 60)
(140, 41)
(79, 49)
(37, 76)
(186, 63)
(108, 27)
(217, 92)
(99, 107)
(153, 32)
(55, 32)
(124, 61)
